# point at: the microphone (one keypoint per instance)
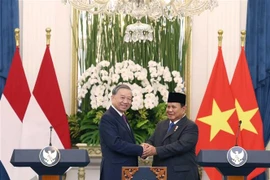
(50, 143)
(238, 132)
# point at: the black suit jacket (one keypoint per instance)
(176, 149)
(117, 145)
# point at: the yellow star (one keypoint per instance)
(218, 120)
(245, 117)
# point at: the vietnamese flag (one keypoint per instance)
(217, 119)
(251, 134)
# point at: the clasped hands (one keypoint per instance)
(148, 150)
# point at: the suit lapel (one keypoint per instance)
(132, 134)
(127, 126)
(165, 128)
(177, 127)
(122, 122)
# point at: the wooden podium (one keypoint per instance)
(218, 159)
(69, 158)
(149, 173)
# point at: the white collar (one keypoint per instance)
(177, 120)
(121, 114)
(174, 121)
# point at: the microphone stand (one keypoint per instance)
(50, 142)
(238, 132)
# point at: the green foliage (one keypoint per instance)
(89, 126)
(84, 126)
(74, 128)
(144, 121)
(101, 38)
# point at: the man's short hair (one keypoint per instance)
(120, 86)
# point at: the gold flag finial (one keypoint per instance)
(243, 38)
(17, 36)
(48, 35)
(220, 37)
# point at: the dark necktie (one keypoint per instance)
(170, 126)
(125, 119)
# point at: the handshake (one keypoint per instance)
(148, 150)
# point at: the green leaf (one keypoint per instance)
(141, 123)
(101, 38)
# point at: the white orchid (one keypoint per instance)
(150, 86)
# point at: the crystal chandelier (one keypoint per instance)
(154, 9)
(138, 32)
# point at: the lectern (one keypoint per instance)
(69, 158)
(218, 159)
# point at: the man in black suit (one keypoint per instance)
(117, 140)
(174, 140)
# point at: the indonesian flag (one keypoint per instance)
(14, 102)
(251, 134)
(46, 109)
(217, 119)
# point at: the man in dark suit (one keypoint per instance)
(117, 141)
(174, 140)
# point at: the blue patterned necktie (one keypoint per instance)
(170, 126)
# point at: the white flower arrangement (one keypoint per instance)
(149, 86)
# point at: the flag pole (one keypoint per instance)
(48, 36)
(220, 37)
(17, 36)
(243, 38)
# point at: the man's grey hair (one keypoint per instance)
(120, 86)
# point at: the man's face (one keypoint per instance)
(175, 111)
(122, 100)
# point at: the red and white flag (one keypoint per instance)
(14, 102)
(45, 110)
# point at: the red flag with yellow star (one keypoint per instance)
(251, 134)
(217, 119)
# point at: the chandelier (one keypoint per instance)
(153, 9)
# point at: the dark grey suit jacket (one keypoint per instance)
(176, 149)
(117, 145)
